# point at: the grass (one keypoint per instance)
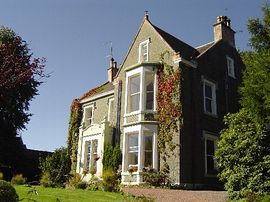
(66, 195)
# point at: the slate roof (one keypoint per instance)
(106, 87)
(205, 47)
(176, 44)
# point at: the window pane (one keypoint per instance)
(210, 163)
(148, 142)
(133, 158)
(208, 91)
(149, 82)
(135, 84)
(133, 149)
(133, 140)
(148, 151)
(208, 105)
(134, 102)
(148, 159)
(149, 100)
(95, 145)
(210, 147)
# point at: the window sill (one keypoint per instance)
(210, 114)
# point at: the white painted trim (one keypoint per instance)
(109, 107)
(94, 97)
(140, 50)
(209, 136)
(213, 90)
(228, 67)
(189, 63)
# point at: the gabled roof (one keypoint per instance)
(186, 51)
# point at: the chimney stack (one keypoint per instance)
(223, 30)
(112, 70)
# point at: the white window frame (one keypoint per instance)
(214, 138)
(92, 162)
(141, 130)
(213, 98)
(110, 100)
(142, 105)
(141, 49)
(91, 119)
(230, 67)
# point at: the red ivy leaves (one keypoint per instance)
(169, 108)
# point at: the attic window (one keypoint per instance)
(230, 65)
(144, 51)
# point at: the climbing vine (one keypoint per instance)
(73, 133)
(169, 110)
(74, 125)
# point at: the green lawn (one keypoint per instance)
(68, 195)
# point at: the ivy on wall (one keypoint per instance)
(73, 133)
(169, 110)
(74, 125)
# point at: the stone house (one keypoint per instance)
(124, 109)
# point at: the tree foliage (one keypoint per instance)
(243, 154)
(55, 168)
(19, 79)
(20, 76)
(111, 157)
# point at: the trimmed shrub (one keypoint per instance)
(111, 181)
(7, 192)
(18, 179)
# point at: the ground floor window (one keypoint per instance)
(133, 151)
(91, 156)
(140, 150)
(210, 148)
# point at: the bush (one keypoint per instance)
(56, 167)
(154, 178)
(81, 185)
(111, 181)
(45, 180)
(18, 179)
(1, 176)
(111, 157)
(74, 180)
(7, 192)
(94, 184)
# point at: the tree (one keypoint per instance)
(55, 168)
(243, 153)
(20, 76)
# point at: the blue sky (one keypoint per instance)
(73, 35)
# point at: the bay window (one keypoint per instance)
(149, 85)
(140, 90)
(148, 150)
(133, 151)
(134, 93)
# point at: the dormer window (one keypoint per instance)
(88, 116)
(230, 66)
(144, 51)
